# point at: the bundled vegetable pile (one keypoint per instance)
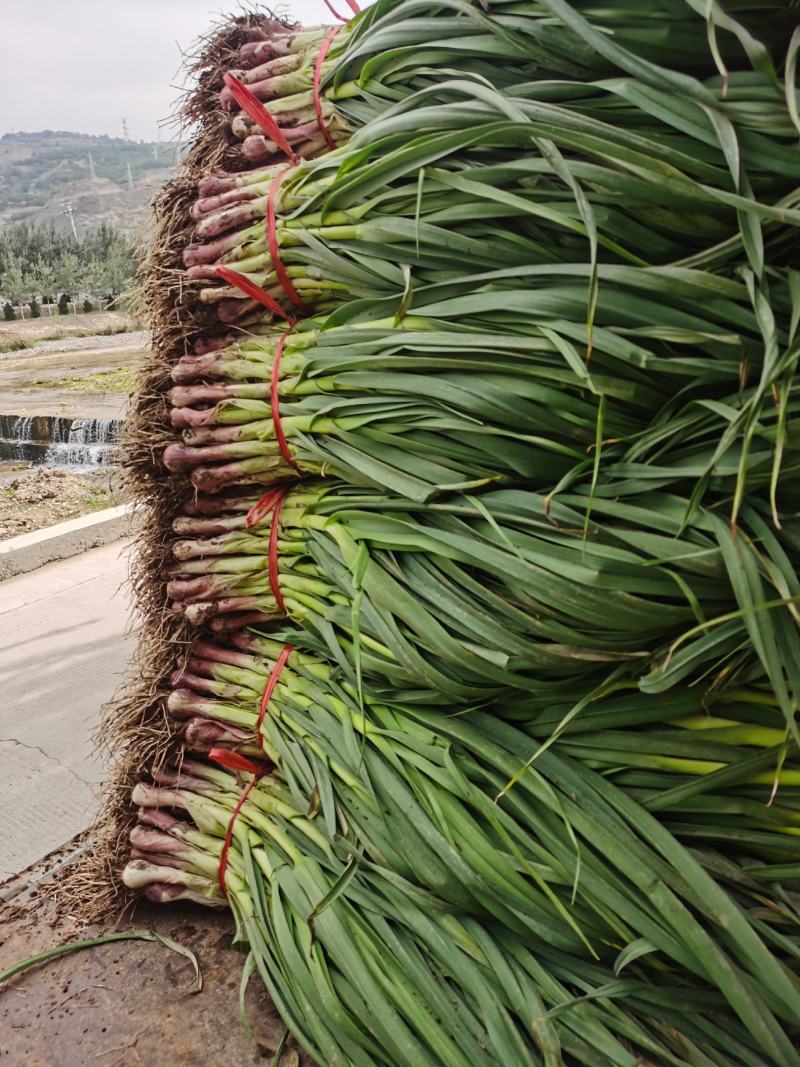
(470, 674)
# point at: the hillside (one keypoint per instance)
(41, 172)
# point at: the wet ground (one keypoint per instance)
(82, 377)
(130, 1002)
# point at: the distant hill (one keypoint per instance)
(40, 172)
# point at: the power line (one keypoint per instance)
(69, 211)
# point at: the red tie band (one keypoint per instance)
(274, 252)
(271, 502)
(317, 82)
(269, 688)
(233, 277)
(252, 106)
(235, 762)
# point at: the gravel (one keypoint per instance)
(136, 338)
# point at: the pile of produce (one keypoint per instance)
(470, 663)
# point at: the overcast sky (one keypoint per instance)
(83, 65)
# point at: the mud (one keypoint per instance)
(130, 1002)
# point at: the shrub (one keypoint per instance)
(63, 304)
(36, 310)
(88, 306)
(8, 312)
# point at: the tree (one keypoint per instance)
(96, 279)
(63, 304)
(44, 275)
(43, 260)
(68, 271)
(8, 312)
(120, 267)
(36, 309)
(15, 285)
(70, 275)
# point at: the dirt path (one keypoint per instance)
(99, 342)
(30, 331)
(72, 378)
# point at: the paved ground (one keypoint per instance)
(63, 649)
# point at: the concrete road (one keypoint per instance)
(63, 651)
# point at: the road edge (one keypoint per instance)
(29, 551)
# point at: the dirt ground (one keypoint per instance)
(32, 498)
(47, 326)
(130, 1002)
(91, 382)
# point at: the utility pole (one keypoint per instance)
(130, 177)
(92, 171)
(69, 211)
(125, 133)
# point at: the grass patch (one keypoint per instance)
(15, 346)
(99, 497)
(120, 380)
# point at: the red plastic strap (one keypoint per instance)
(280, 436)
(265, 505)
(272, 552)
(235, 762)
(335, 13)
(274, 251)
(272, 501)
(318, 80)
(269, 688)
(233, 277)
(252, 106)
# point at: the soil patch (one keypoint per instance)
(24, 334)
(130, 1002)
(91, 382)
(36, 497)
